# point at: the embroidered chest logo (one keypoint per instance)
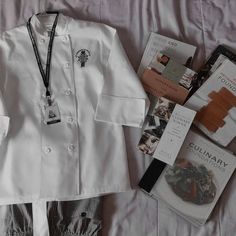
(82, 56)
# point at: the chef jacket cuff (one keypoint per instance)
(4, 125)
(122, 111)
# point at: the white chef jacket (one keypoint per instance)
(85, 154)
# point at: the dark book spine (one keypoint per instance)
(151, 175)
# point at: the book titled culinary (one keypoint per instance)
(215, 103)
(182, 52)
(194, 184)
(165, 129)
(166, 77)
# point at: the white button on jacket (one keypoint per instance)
(67, 160)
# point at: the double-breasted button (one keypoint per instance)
(68, 92)
(71, 147)
(70, 119)
(47, 150)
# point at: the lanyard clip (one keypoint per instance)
(49, 100)
(48, 96)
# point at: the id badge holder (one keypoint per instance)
(52, 114)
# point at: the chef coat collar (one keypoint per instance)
(41, 22)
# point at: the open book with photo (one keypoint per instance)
(165, 77)
(194, 184)
(172, 70)
(165, 128)
(182, 52)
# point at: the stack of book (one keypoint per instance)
(190, 168)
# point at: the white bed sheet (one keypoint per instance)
(204, 23)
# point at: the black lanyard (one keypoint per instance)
(45, 77)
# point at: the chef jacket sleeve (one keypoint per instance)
(4, 119)
(123, 100)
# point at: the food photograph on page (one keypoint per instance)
(192, 182)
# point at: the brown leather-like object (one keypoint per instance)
(212, 116)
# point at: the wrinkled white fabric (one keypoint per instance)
(204, 24)
(77, 157)
(40, 219)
